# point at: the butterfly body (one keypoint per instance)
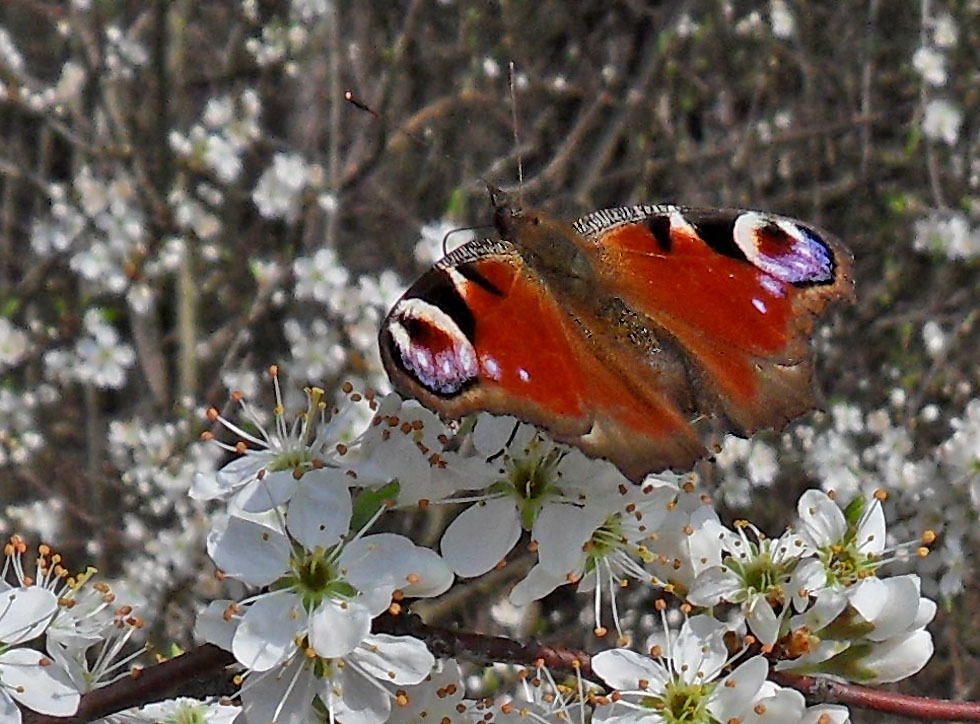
(620, 332)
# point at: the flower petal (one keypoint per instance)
(624, 669)
(337, 627)
(25, 613)
(44, 688)
(481, 536)
(822, 520)
(560, 532)
(377, 565)
(265, 636)
(280, 695)
(891, 604)
(736, 693)
(395, 659)
(898, 658)
(537, 584)
(250, 552)
(354, 698)
(713, 585)
(265, 493)
(319, 512)
(762, 620)
(211, 625)
(699, 653)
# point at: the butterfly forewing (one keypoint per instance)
(737, 290)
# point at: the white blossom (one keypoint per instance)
(942, 121)
(931, 65)
(277, 194)
(683, 682)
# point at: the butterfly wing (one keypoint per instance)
(739, 292)
(482, 331)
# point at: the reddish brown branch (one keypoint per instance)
(184, 676)
(180, 676)
(913, 707)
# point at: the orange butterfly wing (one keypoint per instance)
(481, 332)
(739, 291)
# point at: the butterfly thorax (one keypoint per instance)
(563, 259)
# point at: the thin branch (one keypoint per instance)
(207, 663)
(888, 702)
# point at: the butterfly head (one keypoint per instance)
(547, 244)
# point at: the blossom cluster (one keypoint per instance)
(945, 231)
(61, 635)
(305, 502)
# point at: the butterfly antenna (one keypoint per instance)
(421, 141)
(510, 440)
(445, 239)
(517, 137)
(358, 103)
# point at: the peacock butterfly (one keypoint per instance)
(624, 331)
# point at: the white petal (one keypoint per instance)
(336, 628)
(615, 714)
(355, 699)
(281, 695)
(395, 659)
(898, 658)
(45, 689)
(699, 651)
(252, 553)
(925, 614)
(205, 487)
(826, 714)
(265, 635)
(623, 669)
(537, 584)
(560, 531)
(319, 512)
(377, 565)
(871, 535)
(25, 612)
(9, 711)
(786, 705)
(714, 584)
(891, 604)
(212, 627)
(271, 490)
(429, 576)
(762, 620)
(481, 536)
(737, 691)
(492, 433)
(822, 520)
(700, 548)
(826, 608)
(808, 577)
(240, 470)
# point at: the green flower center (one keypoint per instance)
(760, 573)
(315, 578)
(682, 703)
(845, 564)
(298, 457)
(531, 480)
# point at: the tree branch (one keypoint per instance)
(200, 673)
